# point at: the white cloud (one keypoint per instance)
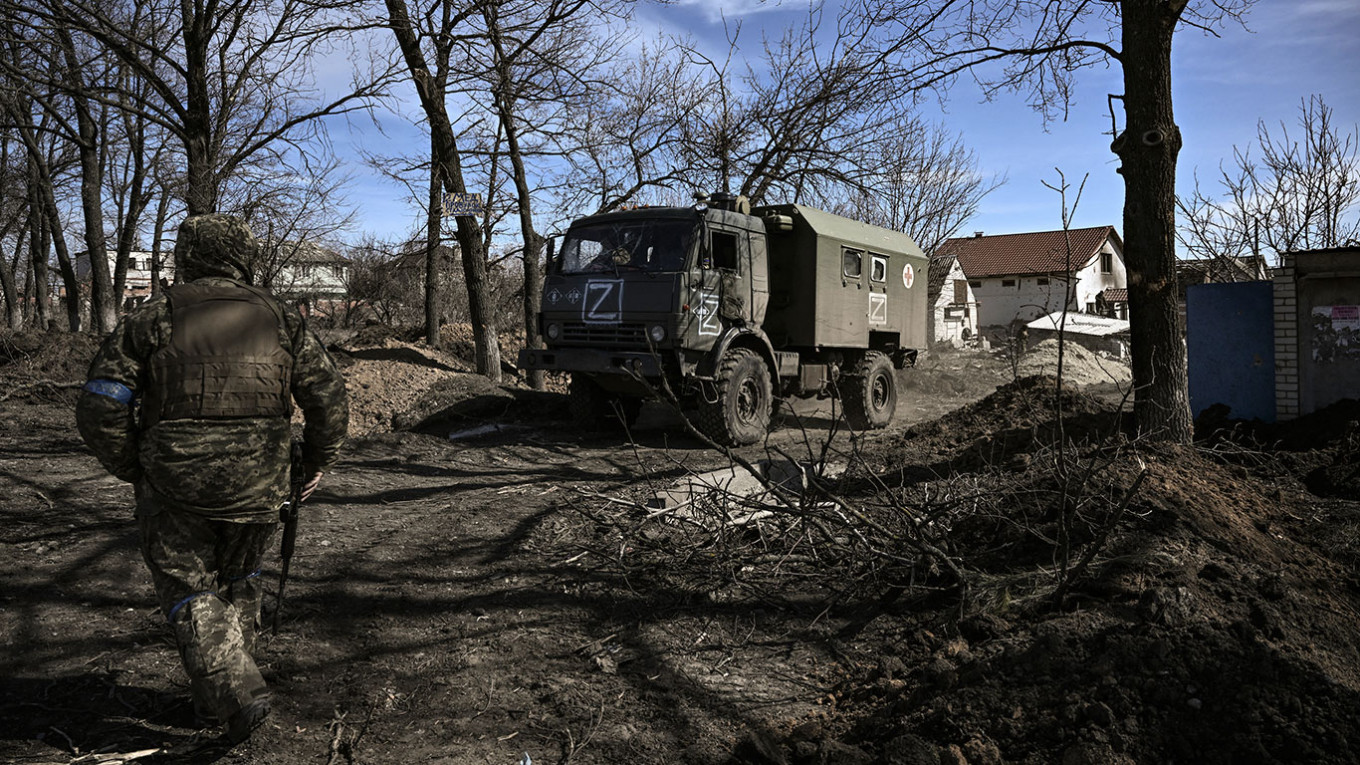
(714, 11)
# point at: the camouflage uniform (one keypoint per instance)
(209, 488)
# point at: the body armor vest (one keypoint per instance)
(224, 358)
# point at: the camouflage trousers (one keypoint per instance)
(206, 575)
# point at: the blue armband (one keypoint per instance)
(114, 390)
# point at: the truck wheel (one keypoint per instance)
(587, 404)
(869, 393)
(741, 415)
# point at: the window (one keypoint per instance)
(1007, 282)
(1107, 262)
(725, 250)
(1042, 281)
(1090, 307)
(635, 245)
(974, 284)
(878, 271)
(852, 262)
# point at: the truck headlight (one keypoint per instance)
(658, 333)
(553, 331)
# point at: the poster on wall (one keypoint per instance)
(1336, 333)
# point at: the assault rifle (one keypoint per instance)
(288, 516)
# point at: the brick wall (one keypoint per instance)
(1286, 340)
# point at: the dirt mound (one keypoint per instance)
(1015, 420)
(384, 382)
(1202, 632)
(62, 357)
(1080, 366)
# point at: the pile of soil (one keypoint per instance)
(384, 380)
(1005, 428)
(1080, 366)
(61, 357)
(1214, 621)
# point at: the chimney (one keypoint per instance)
(977, 234)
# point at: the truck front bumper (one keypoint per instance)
(591, 361)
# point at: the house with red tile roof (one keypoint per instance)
(1015, 278)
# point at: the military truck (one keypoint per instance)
(726, 306)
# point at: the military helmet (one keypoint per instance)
(215, 244)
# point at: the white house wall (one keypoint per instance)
(1024, 300)
(317, 280)
(952, 323)
(139, 268)
(1090, 280)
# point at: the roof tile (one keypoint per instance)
(1037, 252)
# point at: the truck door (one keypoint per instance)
(760, 277)
(730, 254)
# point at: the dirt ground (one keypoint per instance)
(1003, 575)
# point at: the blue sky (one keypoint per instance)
(1223, 86)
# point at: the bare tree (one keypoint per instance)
(1038, 48)
(290, 213)
(232, 81)
(447, 166)
(1302, 193)
(926, 184)
(25, 118)
(13, 214)
(626, 135)
(134, 150)
(809, 119)
(541, 55)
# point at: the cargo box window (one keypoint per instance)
(854, 262)
(878, 271)
(724, 250)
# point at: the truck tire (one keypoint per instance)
(741, 415)
(869, 393)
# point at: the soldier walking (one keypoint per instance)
(190, 400)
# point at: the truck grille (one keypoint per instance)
(574, 333)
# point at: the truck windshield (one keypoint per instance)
(646, 245)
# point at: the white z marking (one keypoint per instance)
(878, 308)
(707, 311)
(603, 303)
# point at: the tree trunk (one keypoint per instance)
(37, 253)
(162, 208)
(200, 193)
(1147, 150)
(102, 313)
(87, 140)
(55, 239)
(14, 315)
(488, 355)
(433, 237)
(533, 243)
(487, 343)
